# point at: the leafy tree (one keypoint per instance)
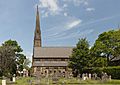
(23, 62)
(14, 44)
(107, 45)
(20, 62)
(11, 57)
(80, 58)
(26, 63)
(7, 58)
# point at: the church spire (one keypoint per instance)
(37, 36)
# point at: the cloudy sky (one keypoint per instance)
(63, 22)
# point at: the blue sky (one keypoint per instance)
(63, 22)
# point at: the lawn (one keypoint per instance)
(61, 81)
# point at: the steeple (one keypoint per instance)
(37, 35)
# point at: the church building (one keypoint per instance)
(48, 59)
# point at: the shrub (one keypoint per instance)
(113, 71)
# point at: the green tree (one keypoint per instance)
(8, 60)
(26, 63)
(107, 46)
(14, 45)
(20, 61)
(80, 58)
(23, 62)
(11, 57)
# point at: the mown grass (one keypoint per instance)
(62, 81)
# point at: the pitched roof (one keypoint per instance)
(52, 52)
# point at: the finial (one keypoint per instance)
(37, 8)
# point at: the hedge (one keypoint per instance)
(114, 71)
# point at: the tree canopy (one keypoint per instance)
(80, 58)
(11, 58)
(105, 49)
(107, 45)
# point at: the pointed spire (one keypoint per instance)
(37, 10)
(37, 19)
(37, 36)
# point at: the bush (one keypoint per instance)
(113, 71)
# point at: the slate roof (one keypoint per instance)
(52, 52)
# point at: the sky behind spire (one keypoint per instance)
(63, 22)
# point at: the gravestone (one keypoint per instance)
(110, 77)
(95, 76)
(89, 75)
(14, 78)
(3, 81)
(84, 76)
(71, 75)
(105, 76)
(79, 76)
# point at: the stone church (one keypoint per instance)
(48, 59)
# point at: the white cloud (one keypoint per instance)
(45, 14)
(73, 24)
(77, 2)
(55, 7)
(86, 3)
(65, 14)
(90, 9)
(50, 5)
(65, 5)
(74, 34)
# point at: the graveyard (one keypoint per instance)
(78, 42)
(60, 81)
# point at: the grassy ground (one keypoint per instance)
(62, 81)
